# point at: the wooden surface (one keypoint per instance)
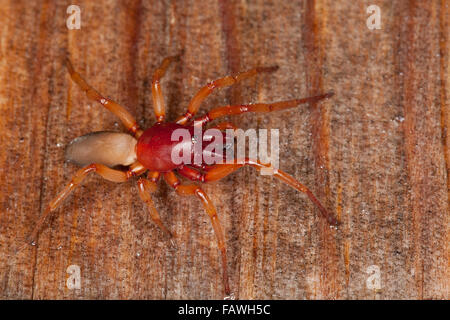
(377, 153)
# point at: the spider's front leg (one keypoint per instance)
(127, 119)
(204, 92)
(220, 171)
(194, 190)
(224, 126)
(220, 112)
(146, 187)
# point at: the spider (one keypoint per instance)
(148, 151)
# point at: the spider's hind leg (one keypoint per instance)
(102, 170)
(127, 119)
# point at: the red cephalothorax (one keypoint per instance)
(155, 146)
(150, 151)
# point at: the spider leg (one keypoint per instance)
(204, 167)
(147, 187)
(194, 190)
(102, 170)
(157, 95)
(258, 107)
(224, 125)
(220, 171)
(204, 92)
(127, 119)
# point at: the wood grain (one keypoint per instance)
(377, 153)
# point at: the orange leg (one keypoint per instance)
(224, 125)
(205, 167)
(258, 107)
(220, 171)
(204, 92)
(221, 127)
(147, 187)
(193, 190)
(158, 99)
(127, 119)
(104, 171)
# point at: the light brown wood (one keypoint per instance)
(376, 154)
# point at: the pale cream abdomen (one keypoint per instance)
(104, 147)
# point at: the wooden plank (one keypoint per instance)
(376, 153)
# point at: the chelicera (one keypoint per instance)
(148, 151)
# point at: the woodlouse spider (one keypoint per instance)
(150, 151)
